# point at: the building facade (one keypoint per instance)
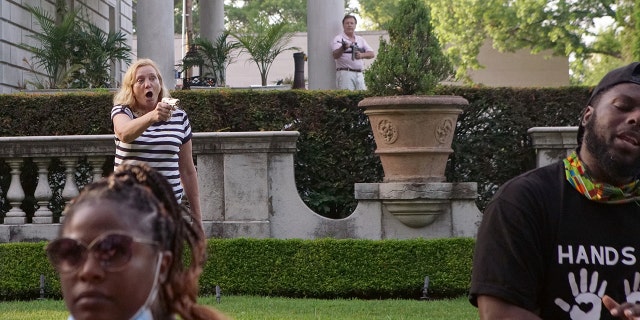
(17, 70)
(520, 69)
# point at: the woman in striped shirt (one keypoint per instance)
(147, 129)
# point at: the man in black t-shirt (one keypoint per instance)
(563, 241)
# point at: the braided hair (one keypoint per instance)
(145, 191)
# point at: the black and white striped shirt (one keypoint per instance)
(158, 145)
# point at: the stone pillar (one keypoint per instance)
(422, 210)
(155, 36)
(553, 144)
(324, 21)
(213, 26)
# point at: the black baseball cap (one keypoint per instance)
(629, 73)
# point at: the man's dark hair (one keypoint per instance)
(349, 16)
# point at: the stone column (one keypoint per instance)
(324, 21)
(213, 25)
(155, 36)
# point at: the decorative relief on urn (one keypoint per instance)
(388, 131)
(444, 130)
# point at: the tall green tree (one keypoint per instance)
(240, 13)
(588, 31)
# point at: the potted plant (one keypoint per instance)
(71, 52)
(264, 42)
(213, 57)
(413, 129)
(100, 50)
(55, 51)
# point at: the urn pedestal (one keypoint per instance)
(413, 136)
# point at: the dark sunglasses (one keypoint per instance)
(113, 250)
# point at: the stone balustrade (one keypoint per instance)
(247, 189)
(42, 149)
(211, 151)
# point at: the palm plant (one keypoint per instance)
(213, 57)
(72, 53)
(99, 50)
(55, 54)
(264, 42)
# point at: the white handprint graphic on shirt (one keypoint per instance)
(587, 301)
(633, 296)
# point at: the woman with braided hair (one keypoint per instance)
(120, 251)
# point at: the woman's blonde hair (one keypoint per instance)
(125, 95)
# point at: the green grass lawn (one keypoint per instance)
(265, 308)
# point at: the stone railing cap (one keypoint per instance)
(413, 100)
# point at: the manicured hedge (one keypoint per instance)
(324, 268)
(335, 148)
(491, 143)
(21, 265)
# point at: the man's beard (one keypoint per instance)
(601, 151)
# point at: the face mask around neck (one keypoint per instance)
(142, 314)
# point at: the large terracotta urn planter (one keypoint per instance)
(413, 134)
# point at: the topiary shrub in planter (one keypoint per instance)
(413, 131)
(412, 62)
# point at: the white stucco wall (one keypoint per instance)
(519, 69)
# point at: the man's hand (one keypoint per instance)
(626, 310)
(629, 310)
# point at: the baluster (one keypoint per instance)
(15, 194)
(43, 192)
(96, 163)
(70, 187)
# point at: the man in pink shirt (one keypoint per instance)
(348, 50)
